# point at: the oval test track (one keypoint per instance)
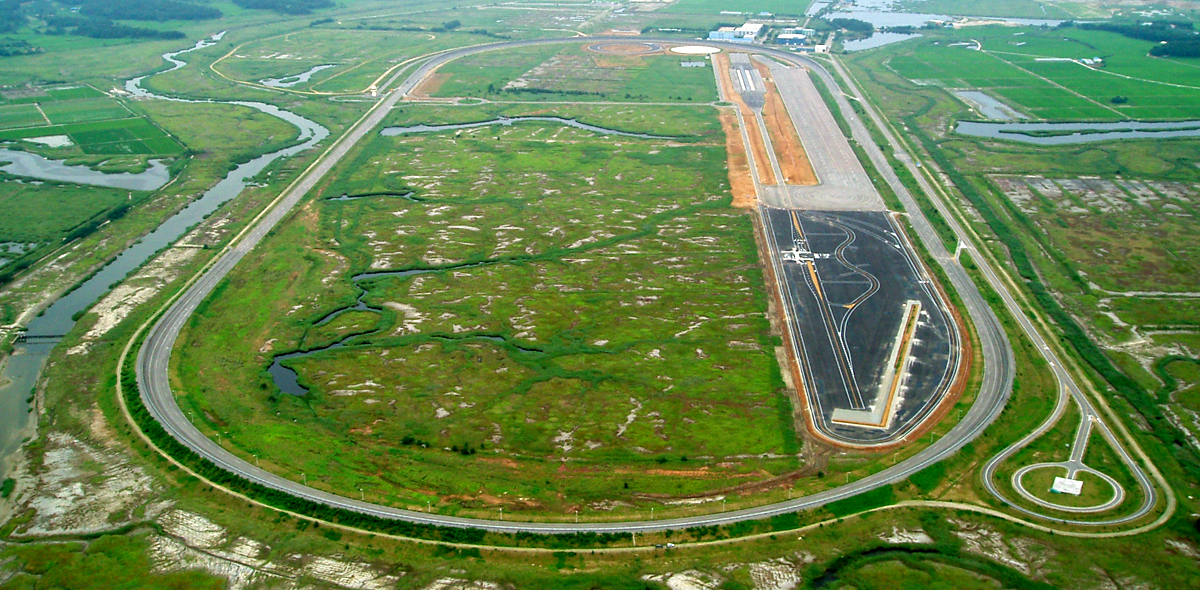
(155, 353)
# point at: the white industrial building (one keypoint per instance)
(746, 33)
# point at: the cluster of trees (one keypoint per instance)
(11, 17)
(17, 47)
(853, 25)
(860, 29)
(285, 6)
(1175, 39)
(102, 28)
(487, 33)
(148, 10)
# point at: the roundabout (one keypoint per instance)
(1072, 471)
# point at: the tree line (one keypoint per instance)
(285, 6)
(1175, 39)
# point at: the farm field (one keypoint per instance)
(136, 136)
(573, 71)
(94, 123)
(1106, 228)
(1037, 72)
(510, 364)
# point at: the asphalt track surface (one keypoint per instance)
(154, 355)
(844, 303)
(844, 184)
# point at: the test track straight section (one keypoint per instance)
(155, 353)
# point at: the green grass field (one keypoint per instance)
(20, 115)
(119, 136)
(359, 57)
(1016, 65)
(558, 72)
(611, 345)
(78, 111)
(26, 208)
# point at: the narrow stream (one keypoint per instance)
(21, 372)
(287, 380)
(289, 81)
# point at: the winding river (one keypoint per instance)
(23, 368)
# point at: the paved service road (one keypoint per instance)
(155, 353)
(1067, 387)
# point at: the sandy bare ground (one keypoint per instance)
(741, 184)
(793, 161)
(765, 175)
(430, 85)
(88, 485)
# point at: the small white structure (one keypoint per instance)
(695, 50)
(1063, 485)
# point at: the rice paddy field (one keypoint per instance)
(1109, 226)
(95, 123)
(1039, 72)
(587, 330)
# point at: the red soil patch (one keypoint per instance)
(793, 162)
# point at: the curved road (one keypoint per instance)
(1068, 389)
(155, 353)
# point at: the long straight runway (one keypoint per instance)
(843, 184)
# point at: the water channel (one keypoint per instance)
(21, 371)
(1069, 133)
(289, 81)
(285, 378)
(36, 166)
